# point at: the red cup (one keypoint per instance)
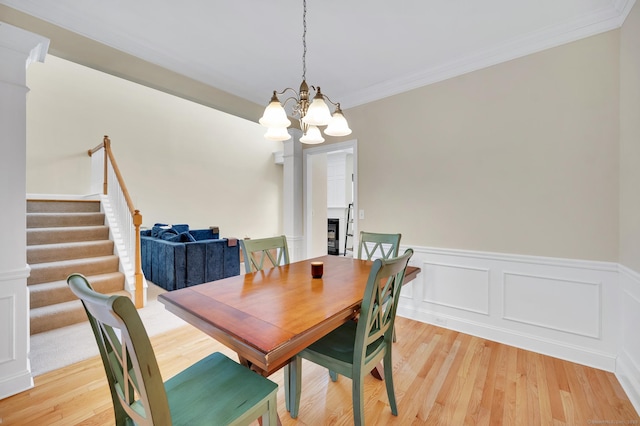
(317, 268)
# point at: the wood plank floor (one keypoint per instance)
(441, 377)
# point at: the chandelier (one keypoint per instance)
(311, 115)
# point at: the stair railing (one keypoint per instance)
(105, 171)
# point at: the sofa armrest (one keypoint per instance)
(164, 262)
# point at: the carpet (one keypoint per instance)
(58, 348)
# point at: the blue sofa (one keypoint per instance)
(174, 257)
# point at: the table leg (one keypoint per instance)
(378, 372)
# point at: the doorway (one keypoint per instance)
(328, 188)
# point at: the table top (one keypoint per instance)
(269, 316)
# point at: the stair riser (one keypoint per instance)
(52, 253)
(62, 318)
(66, 235)
(48, 272)
(62, 206)
(51, 220)
(40, 297)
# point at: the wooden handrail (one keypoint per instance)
(136, 217)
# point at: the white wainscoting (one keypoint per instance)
(628, 365)
(568, 309)
(15, 368)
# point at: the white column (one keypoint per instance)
(292, 217)
(18, 49)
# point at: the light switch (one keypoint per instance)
(361, 214)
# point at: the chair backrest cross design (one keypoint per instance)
(273, 249)
(378, 246)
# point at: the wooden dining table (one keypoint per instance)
(268, 316)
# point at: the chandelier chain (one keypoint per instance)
(304, 40)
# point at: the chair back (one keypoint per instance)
(137, 388)
(378, 246)
(379, 305)
(256, 251)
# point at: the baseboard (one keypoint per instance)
(564, 308)
(15, 384)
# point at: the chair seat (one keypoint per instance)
(197, 398)
(338, 346)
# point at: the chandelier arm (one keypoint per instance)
(285, 91)
(335, 104)
(290, 98)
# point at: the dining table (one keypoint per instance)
(268, 316)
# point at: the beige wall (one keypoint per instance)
(521, 157)
(630, 141)
(182, 162)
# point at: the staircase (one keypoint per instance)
(64, 237)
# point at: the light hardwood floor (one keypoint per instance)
(441, 378)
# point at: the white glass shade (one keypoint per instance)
(312, 136)
(274, 115)
(318, 113)
(277, 134)
(338, 126)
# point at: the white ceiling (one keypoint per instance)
(357, 50)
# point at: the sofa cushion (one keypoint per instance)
(183, 237)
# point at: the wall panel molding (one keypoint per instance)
(457, 286)
(572, 306)
(628, 363)
(564, 308)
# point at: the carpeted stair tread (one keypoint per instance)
(36, 236)
(55, 271)
(50, 293)
(65, 237)
(50, 220)
(59, 315)
(64, 251)
(62, 206)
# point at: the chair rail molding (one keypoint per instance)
(18, 49)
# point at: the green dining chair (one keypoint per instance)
(256, 251)
(374, 245)
(357, 347)
(213, 391)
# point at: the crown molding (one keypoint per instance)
(603, 20)
(607, 18)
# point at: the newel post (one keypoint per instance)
(137, 221)
(107, 149)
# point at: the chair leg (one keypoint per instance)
(293, 386)
(333, 375)
(357, 389)
(270, 418)
(388, 378)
